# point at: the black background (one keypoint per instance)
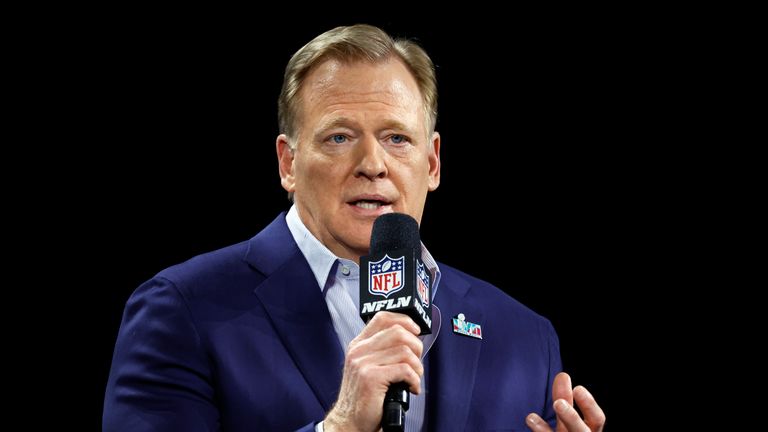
(551, 164)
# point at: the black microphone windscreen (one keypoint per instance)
(393, 231)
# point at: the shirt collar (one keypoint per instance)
(321, 260)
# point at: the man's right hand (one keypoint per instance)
(387, 351)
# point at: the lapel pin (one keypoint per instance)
(463, 327)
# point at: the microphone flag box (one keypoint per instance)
(396, 281)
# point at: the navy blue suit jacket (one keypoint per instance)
(240, 339)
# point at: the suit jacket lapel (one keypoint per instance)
(297, 309)
(453, 360)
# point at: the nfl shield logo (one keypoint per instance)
(386, 276)
(422, 276)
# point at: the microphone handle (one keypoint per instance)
(396, 403)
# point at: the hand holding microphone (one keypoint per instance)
(386, 351)
(396, 281)
(383, 362)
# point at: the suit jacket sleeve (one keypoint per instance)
(160, 378)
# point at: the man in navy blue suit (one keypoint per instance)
(265, 334)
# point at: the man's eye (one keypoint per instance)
(398, 139)
(338, 139)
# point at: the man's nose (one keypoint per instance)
(371, 162)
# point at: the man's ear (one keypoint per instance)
(434, 162)
(285, 162)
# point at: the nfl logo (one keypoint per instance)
(423, 284)
(386, 276)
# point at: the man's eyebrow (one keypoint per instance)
(337, 122)
(394, 124)
(352, 124)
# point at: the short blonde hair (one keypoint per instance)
(359, 42)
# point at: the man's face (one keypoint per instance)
(362, 150)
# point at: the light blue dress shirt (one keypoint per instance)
(339, 280)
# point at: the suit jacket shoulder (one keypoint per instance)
(491, 383)
(204, 344)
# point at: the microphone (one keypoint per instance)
(396, 280)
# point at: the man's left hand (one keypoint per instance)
(568, 420)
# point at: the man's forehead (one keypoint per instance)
(335, 92)
(391, 122)
(360, 79)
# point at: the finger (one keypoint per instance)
(384, 320)
(594, 416)
(561, 389)
(536, 423)
(398, 354)
(393, 336)
(571, 420)
(392, 356)
(400, 372)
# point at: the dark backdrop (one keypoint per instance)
(544, 149)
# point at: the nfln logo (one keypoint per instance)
(386, 276)
(423, 285)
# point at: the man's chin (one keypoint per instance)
(359, 242)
